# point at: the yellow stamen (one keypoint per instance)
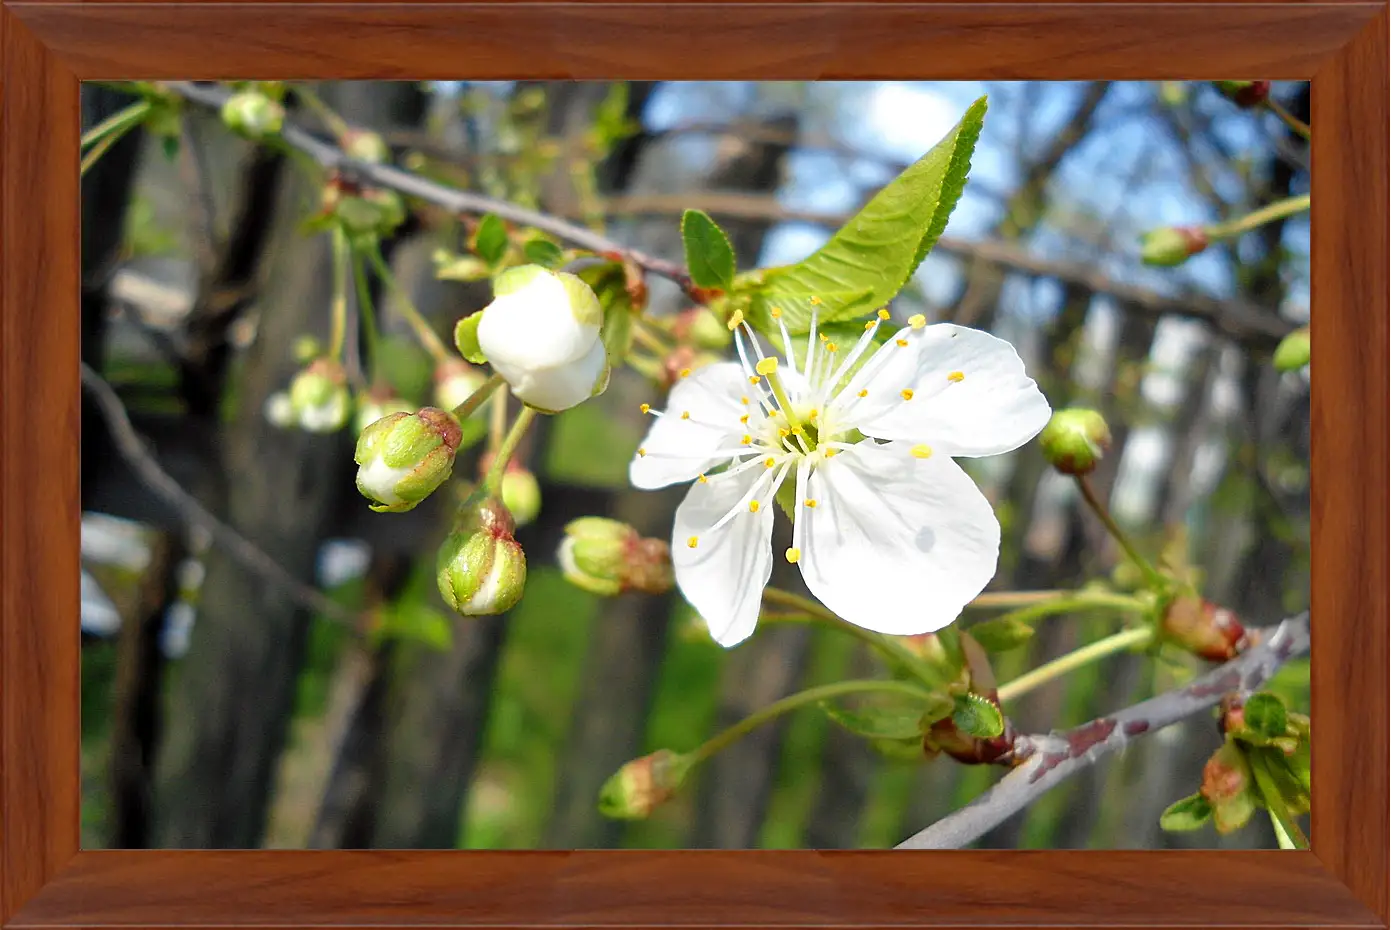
(744, 401)
(769, 462)
(746, 440)
(685, 414)
(883, 313)
(917, 321)
(753, 379)
(921, 452)
(831, 452)
(646, 408)
(735, 319)
(815, 301)
(692, 541)
(744, 418)
(812, 414)
(830, 347)
(906, 394)
(685, 372)
(864, 393)
(901, 342)
(703, 480)
(775, 312)
(753, 506)
(870, 325)
(784, 432)
(641, 452)
(794, 554)
(810, 502)
(766, 366)
(823, 337)
(956, 377)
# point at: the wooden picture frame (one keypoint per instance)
(46, 48)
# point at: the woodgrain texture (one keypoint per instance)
(45, 48)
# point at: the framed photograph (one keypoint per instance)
(648, 464)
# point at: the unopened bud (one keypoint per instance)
(1227, 786)
(1245, 94)
(945, 737)
(480, 568)
(1292, 353)
(521, 493)
(642, 785)
(319, 398)
(373, 212)
(1170, 246)
(404, 457)
(606, 557)
(1075, 440)
(280, 411)
(252, 114)
(366, 146)
(1204, 629)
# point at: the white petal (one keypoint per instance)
(564, 386)
(676, 449)
(971, 396)
(896, 544)
(723, 576)
(534, 327)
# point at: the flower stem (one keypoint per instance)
(493, 482)
(1072, 661)
(1296, 125)
(368, 314)
(117, 123)
(497, 423)
(1013, 598)
(1069, 601)
(887, 645)
(428, 337)
(1089, 495)
(648, 338)
(339, 330)
(1269, 213)
(476, 399)
(725, 738)
(1275, 805)
(335, 123)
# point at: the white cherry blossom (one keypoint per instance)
(888, 531)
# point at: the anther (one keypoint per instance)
(753, 379)
(703, 480)
(641, 452)
(810, 502)
(883, 313)
(831, 452)
(753, 506)
(906, 393)
(815, 301)
(830, 347)
(775, 312)
(956, 377)
(693, 541)
(870, 325)
(746, 440)
(901, 342)
(769, 462)
(685, 372)
(813, 413)
(646, 408)
(744, 401)
(864, 393)
(766, 366)
(735, 319)
(917, 321)
(794, 554)
(744, 419)
(921, 452)
(685, 414)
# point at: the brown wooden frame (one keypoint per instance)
(46, 48)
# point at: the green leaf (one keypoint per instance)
(877, 722)
(466, 338)
(1264, 715)
(490, 241)
(1189, 814)
(869, 260)
(543, 252)
(1001, 634)
(609, 283)
(170, 145)
(977, 716)
(709, 256)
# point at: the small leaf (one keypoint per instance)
(543, 252)
(1188, 814)
(870, 259)
(1001, 634)
(709, 256)
(876, 722)
(170, 145)
(490, 241)
(977, 716)
(466, 338)
(1264, 715)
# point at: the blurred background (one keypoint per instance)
(218, 712)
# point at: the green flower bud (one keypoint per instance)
(521, 494)
(1227, 786)
(1170, 246)
(606, 557)
(403, 457)
(1075, 440)
(280, 411)
(319, 397)
(366, 146)
(252, 114)
(1293, 352)
(642, 785)
(373, 212)
(481, 569)
(1203, 629)
(1245, 94)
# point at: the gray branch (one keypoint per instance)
(1051, 759)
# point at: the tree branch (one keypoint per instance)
(331, 157)
(1051, 759)
(134, 451)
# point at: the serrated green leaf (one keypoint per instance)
(977, 716)
(709, 256)
(877, 722)
(543, 252)
(466, 338)
(1185, 815)
(1264, 715)
(490, 241)
(1001, 634)
(869, 260)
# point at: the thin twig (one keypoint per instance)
(133, 449)
(1051, 759)
(331, 157)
